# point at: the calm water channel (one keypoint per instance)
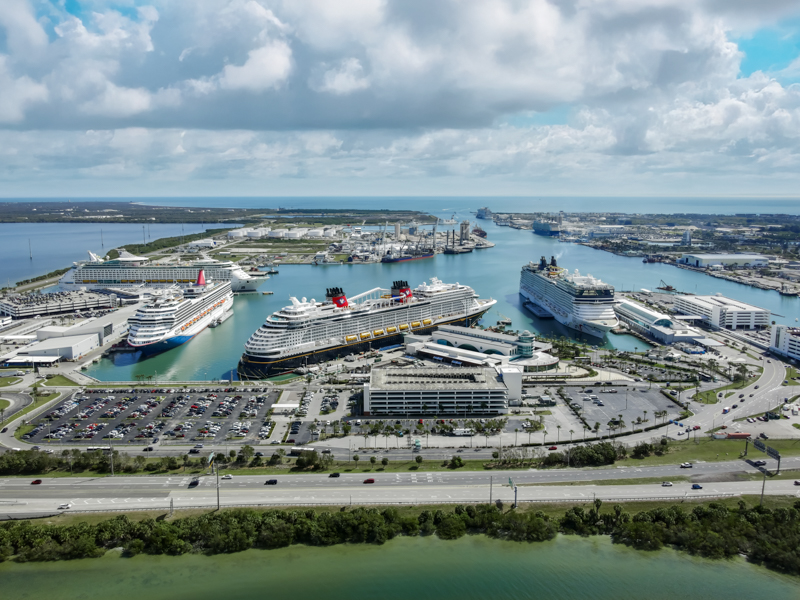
(493, 272)
(421, 568)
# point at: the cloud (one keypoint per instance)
(17, 93)
(265, 68)
(344, 79)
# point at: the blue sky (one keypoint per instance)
(387, 97)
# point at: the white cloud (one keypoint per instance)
(266, 67)
(346, 78)
(16, 94)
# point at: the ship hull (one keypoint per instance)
(253, 367)
(570, 320)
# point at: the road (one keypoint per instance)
(19, 497)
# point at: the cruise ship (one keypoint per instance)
(175, 315)
(308, 332)
(580, 302)
(128, 271)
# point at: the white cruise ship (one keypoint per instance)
(580, 302)
(307, 332)
(129, 271)
(173, 316)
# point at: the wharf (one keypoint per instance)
(537, 310)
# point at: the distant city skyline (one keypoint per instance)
(657, 98)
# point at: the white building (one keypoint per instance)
(30, 305)
(659, 326)
(726, 260)
(278, 233)
(435, 391)
(722, 312)
(785, 340)
(204, 243)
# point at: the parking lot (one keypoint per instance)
(138, 416)
(601, 404)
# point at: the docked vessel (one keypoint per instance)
(175, 315)
(548, 228)
(128, 271)
(580, 302)
(308, 332)
(478, 230)
(393, 258)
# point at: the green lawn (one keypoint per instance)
(7, 381)
(791, 374)
(60, 381)
(710, 450)
(710, 396)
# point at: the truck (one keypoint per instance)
(726, 410)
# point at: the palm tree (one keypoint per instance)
(356, 458)
(596, 429)
(571, 431)
(645, 416)
(558, 433)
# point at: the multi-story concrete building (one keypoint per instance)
(785, 341)
(438, 391)
(723, 312)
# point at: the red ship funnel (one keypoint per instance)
(336, 295)
(201, 278)
(340, 301)
(406, 292)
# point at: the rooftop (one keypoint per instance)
(722, 301)
(441, 378)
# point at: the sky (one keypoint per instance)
(399, 97)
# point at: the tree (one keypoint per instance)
(596, 429)
(356, 458)
(558, 433)
(346, 428)
(246, 453)
(384, 462)
(418, 459)
(372, 461)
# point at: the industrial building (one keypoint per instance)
(654, 324)
(704, 261)
(30, 305)
(440, 391)
(464, 346)
(722, 312)
(785, 340)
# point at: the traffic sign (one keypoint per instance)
(759, 445)
(772, 453)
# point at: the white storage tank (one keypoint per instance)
(294, 234)
(329, 232)
(277, 233)
(314, 233)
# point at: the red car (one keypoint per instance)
(370, 480)
(36, 482)
(553, 448)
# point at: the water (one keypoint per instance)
(58, 245)
(448, 205)
(493, 272)
(475, 567)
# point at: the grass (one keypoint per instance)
(641, 481)
(4, 404)
(37, 402)
(554, 510)
(708, 450)
(60, 381)
(791, 374)
(710, 396)
(8, 381)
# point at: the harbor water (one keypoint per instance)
(473, 567)
(494, 272)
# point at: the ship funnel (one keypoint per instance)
(400, 291)
(336, 295)
(553, 261)
(201, 278)
(542, 263)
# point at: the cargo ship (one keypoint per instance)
(308, 332)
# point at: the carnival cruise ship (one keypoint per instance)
(175, 315)
(129, 271)
(307, 332)
(580, 302)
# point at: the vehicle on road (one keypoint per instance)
(796, 482)
(271, 482)
(553, 448)
(697, 486)
(194, 451)
(198, 445)
(335, 475)
(227, 476)
(4, 430)
(64, 506)
(370, 480)
(36, 482)
(686, 465)
(194, 482)
(666, 484)
(759, 463)
(148, 449)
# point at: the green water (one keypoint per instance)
(406, 568)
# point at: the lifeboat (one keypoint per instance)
(426, 321)
(351, 338)
(415, 324)
(403, 327)
(365, 335)
(391, 329)
(378, 332)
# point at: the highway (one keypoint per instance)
(19, 497)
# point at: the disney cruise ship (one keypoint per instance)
(135, 271)
(307, 332)
(173, 316)
(580, 302)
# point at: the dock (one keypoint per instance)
(537, 310)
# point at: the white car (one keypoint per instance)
(228, 476)
(666, 484)
(64, 506)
